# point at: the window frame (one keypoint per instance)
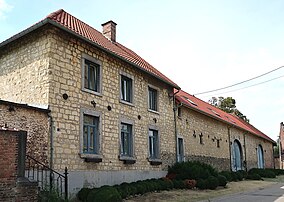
(127, 159)
(157, 98)
(182, 158)
(131, 78)
(98, 64)
(96, 156)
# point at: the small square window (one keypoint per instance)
(153, 99)
(90, 134)
(126, 91)
(153, 144)
(126, 140)
(91, 76)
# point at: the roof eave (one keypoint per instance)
(26, 106)
(24, 32)
(219, 119)
(47, 20)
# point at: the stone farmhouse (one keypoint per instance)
(107, 114)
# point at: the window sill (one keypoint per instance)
(92, 92)
(97, 158)
(153, 111)
(126, 103)
(127, 159)
(155, 161)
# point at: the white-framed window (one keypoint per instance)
(153, 144)
(91, 75)
(153, 98)
(126, 88)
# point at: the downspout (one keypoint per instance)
(51, 140)
(273, 157)
(230, 147)
(175, 122)
(245, 148)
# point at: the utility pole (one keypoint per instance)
(279, 148)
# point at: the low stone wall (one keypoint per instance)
(219, 163)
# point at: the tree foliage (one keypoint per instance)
(228, 105)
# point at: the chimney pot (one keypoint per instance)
(109, 30)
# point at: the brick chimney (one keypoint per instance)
(109, 30)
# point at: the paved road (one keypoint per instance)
(274, 193)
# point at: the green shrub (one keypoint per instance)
(201, 184)
(141, 187)
(179, 184)
(253, 176)
(191, 170)
(104, 194)
(83, 194)
(234, 176)
(244, 173)
(166, 184)
(239, 175)
(212, 182)
(277, 171)
(124, 190)
(222, 180)
(268, 173)
(227, 174)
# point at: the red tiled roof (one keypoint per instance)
(77, 26)
(196, 104)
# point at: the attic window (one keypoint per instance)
(231, 120)
(190, 101)
(214, 112)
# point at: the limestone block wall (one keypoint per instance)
(252, 143)
(190, 126)
(66, 54)
(34, 121)
(205, 139)
(24, 69)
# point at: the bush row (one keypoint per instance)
(184, 175)
(206, 176)
(267, 173)
(124, 190)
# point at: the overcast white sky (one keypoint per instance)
(201, 45)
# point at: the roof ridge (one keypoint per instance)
(55, 13)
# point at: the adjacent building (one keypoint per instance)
(109, 115)
(206, 133)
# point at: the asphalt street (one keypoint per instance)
(274, 193)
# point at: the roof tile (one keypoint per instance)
(72, 23)
(217, 113)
